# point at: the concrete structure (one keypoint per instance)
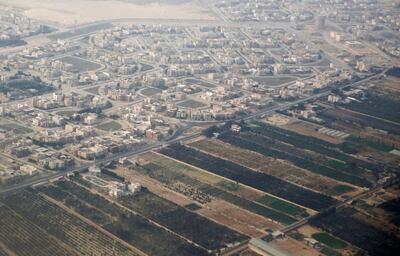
(265, 249)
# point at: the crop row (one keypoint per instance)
(198, 229)
(167, 175)
(260, 144)
(24, 238)
(186, 223)
(307, 142)
(66, 227)
(344, 225)
(241, 174)
(126, 225)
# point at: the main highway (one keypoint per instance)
(178, 136)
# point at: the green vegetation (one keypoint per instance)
(330, 252)
(281, 205)
(329, 240)
(63, 226)
(258, 180)
(381, 106)
(26, 87)
(341, 189)
(268, 147)
(366, 142)
(298, 236)
(24, 238)
(345, 225)
(306, 142)
(127, 225)
(109, 126)
(186, 223)
(228, 185)
(172, 171)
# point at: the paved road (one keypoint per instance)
(177, 137)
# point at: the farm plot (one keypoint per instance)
(343, 118)
(128, 226)
(306, 142)
(261, 181)
(3, 252)
(329, 240)
(198, 229)
(308, 147)
(217, 210)
(224, 190)
(345, 225)
(64, 226)
(268, 165)
(377, 105)
(265, 146)
(24, 238)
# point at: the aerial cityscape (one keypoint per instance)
(200, 127)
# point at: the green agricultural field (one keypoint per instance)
(298, 236)
(197, 228)
(130, 227)
(281, 205)
(329, 240)
(372, 144)
(342, 189)
(330, 252)
(62, 225)
(228, 185)
(109, 126)
(173, 172)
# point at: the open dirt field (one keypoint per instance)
(218, 210)
(266, 164)
(295, 247)
(154, 186)
(66, 13)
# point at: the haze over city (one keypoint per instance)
(200, 127)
